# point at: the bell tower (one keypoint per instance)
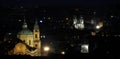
(37, 41)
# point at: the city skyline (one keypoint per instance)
(66, 28)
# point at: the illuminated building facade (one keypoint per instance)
(31, 43)
(78, 24)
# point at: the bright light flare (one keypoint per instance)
(100, 24)
(46, 48)
(41, 21)
(97, 27)
(63, 52)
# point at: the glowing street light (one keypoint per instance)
(46, 48)
(100, 24)
(93, 33)
(98, 27)
(63, 52)
(41, 21)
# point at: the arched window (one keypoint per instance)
(35, 35)
(29, 42)
(35, 45)
(36, 31)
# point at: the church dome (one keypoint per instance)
(25, 32)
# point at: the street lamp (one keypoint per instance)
(100, 24)
(63, 52)
(46, 50)
(97, 27)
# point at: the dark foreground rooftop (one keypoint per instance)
(71, 56)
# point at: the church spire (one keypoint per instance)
(37, 42)
(24, 24)
(36, 26)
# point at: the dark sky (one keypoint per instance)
(32, 3)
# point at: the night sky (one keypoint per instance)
(49, 3)
(13, 13)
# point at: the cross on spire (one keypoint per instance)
(36, 26)
(24, 23)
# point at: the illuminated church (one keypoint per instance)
(30, 41)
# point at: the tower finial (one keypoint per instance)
(36, 26)
(24, 23)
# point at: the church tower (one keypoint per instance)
(37, 41)
(26, 35)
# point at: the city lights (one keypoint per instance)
(9, 33)
(63, 52)
(97, 27)
(78, 24)
(46, 48)
(41, 21)
(19, 20)
(100, 24)
(93, 33)
(111, 16)
(43, 36)
(46, 32)
(67, 18)
(49, 18)
(84, 48)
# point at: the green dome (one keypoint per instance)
(25, 32)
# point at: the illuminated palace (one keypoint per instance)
(30, 43)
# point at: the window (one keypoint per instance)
(35, 45)
(29, 42)
(35, 35)
(23, 40)
(36, 31)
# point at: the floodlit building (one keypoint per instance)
(78, 24)
(30, 41)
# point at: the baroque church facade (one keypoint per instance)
(30, 41)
